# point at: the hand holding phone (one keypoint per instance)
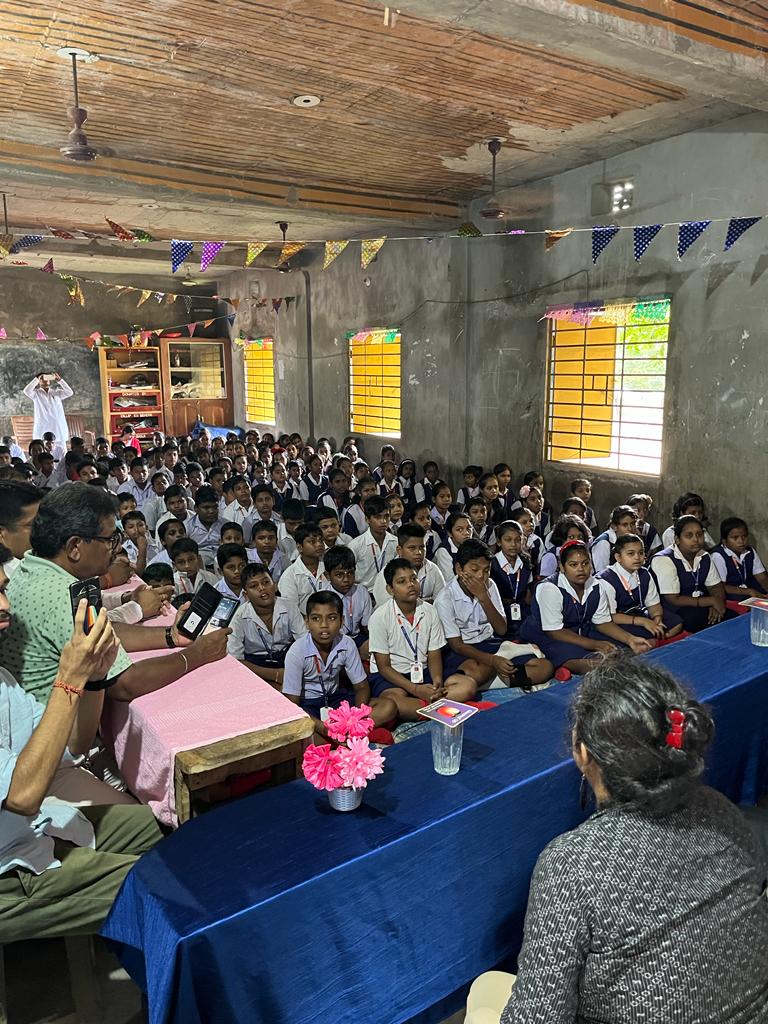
(90, 591)
(88, 655)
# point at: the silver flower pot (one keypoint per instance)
(345, 799)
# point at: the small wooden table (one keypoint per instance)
(279, 748)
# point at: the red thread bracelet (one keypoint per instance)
(68, 689)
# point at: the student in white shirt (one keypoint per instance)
(242, 510)
(189, 574)
(46, 395)
(293, 516)
(623, 521)
(138, 543)
(263, 548)
(45, 478)
(175, 507)
(340, 568)
(474, 622)
(328, 521)
(458, 528)
(264, 627)
(633, 598)
(374, 548)
(232, 560)
(314, 663)
(406, 642)
(411, 545)
(305, 576)
(689, 583)
(205, 525)
(139, 485)
(168, 533)
(688, 504)
(738, 563)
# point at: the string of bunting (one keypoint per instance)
(653, 309)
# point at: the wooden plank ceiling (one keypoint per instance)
(206, 87)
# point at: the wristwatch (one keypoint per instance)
(169, 641)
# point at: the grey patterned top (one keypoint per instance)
(635, 920)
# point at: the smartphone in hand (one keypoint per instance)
(90, 590)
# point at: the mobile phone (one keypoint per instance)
(209, 610)
(90, 590)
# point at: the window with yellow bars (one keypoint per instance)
(606, 385)
(260, 381)
(374, 381)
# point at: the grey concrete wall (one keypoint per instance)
(29, 300)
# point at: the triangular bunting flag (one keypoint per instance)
(737, 227)
(40, 335)
(25, 242)
(145, 294)
(210, 251)
(234, 303)
(170, 298)
(276, 304)
(145, 336)
(332, 250)
(290, 249)
(48, 268)
(76, 295)
(143, 236)
(191, 329)
(180, 250)
(60, 233)
(123, 339)
(159, 296)
(261, 303)
(369, 249)
(688, 233)
(602, 236)
(289, 299)
(2, 333)
(254, 249)
(643, 236)
(207, 323)
(120, 232)
(553, 237)
(231, 319)
(6, 241)
(468, 230)
(187, 300)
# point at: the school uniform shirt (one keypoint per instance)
(129, 547)
(44, 482)
(431, 582)
(152, 510)
(343, 539)
(208, 538)
(668, 538)
(141, 495)
(631, 582)
(549, 562)
(512, 578)
(443, 559)
(129, 612)
(298, 583)
(242, 515)
(390, 632)
(395, 526)
(465, 493)
(357, 609)
(386, 489)
(600, 550)
(549, 598)
(462, 615)
(306, 675)
(422, 491)
(487, 535)
(161, 556)
(650, 538)
(250, 635)
(287, 547)
(275, 566)
(667, 575)
(432, 542)
(312, 487)
(736, 570)
(535, 545)
(590, 519)
(371, 558)
(352, 520)
(168, 516)
(223, 588)
(289, 490)
(183, 585)
(327, 500)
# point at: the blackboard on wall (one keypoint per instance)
(21, 361)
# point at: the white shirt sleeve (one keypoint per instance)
(378, 639)
(757, 566)
(610, 595)
(602, 612)
(380, 595)
(367, 608)
(550, 602)
(64, 389)
(296, 621)
(130, 613)
(653, 594)
(436, 636)
(444, 562)
(29, 390)
(444, 607)
(666, 574)
(668, 537)
(354, 666)
(438, 580)
(600, 554)
(294, 669)
(719, 563)
(288, 587)
(236, 639)
(713, 576)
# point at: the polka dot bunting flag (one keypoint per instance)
(643, 237)
(688, 233)
(737, 227)
(602, 236)
(210, 251)
(180, 250)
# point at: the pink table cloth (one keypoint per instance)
(167, 619)
(212, 703)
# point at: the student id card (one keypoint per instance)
(417, 673)
(514, 613)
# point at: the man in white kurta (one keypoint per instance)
(47, 396)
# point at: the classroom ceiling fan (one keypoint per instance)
(77, 148)
(492, 209)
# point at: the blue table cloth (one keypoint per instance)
(278, 910)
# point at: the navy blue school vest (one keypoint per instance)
(738, 574)
(315, 490)
(431, 549)
(338, 503)
(349, 523)
(577, 617)
(628, 602)
(689, 581)
(510, 588)
(649, 533)
(599, 537)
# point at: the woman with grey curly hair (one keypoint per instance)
(654, 909)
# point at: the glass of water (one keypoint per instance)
(758, 626)
(446, 748)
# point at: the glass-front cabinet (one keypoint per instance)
(197, 370)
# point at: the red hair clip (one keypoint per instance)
(572, 544)
(676, 719)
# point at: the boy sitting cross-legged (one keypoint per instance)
(406, 642)
(314, 665)
(471, 612)
(264, 627)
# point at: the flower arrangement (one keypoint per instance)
(350, 765)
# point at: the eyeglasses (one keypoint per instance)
(113, 539)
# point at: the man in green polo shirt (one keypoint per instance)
(73, 537)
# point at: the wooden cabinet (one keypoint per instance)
(166, 387)
(197, 382)
(131, 391)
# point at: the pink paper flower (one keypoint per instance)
(358, 764)
(347, 722)
(321, 767)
